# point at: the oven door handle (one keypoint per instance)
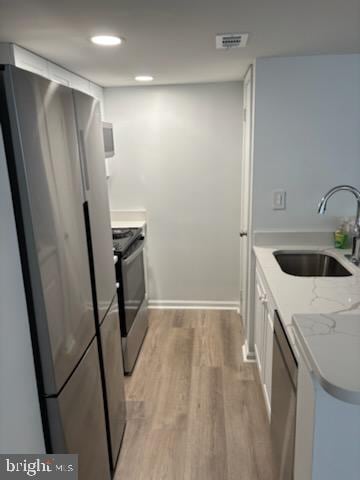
(131, 258)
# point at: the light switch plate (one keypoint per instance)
(279, 200)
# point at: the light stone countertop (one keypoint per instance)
(336, 299)
(332, 344)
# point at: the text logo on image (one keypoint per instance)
(40, 467)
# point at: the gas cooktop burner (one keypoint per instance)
(122, 233)
(123, 239)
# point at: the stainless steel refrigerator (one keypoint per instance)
(54, 149)
(91, 150)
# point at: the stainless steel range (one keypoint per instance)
(129, 245)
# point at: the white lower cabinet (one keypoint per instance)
(259, 325)
(264, 327)
(268, 348)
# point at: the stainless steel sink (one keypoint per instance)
(310, 264)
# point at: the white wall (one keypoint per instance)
(306, 139)
(178, 156)
(20, 421)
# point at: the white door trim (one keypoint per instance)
(247, 261)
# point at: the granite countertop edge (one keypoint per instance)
(309, 306)
(341, 392)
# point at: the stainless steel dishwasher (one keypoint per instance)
(283, 403)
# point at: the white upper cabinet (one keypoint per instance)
(81, 84)
(59, 74)
(29, 61)
(22, 58)
(98, 93)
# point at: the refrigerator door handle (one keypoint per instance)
(84, 160)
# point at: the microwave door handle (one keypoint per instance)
(131, 258)
(84, 160)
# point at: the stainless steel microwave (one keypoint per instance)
(108, 139)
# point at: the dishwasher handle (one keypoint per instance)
(285, 349)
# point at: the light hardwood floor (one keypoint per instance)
(195, 410)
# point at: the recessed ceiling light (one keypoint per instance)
(144, 78)
(106, 40)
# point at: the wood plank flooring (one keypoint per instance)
(195, 410)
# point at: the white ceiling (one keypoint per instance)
(174, 40)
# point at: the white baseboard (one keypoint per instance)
(248, 357)
(193, 305)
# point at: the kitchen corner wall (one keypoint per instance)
(178, 155)
(306, 138)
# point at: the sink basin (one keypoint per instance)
(310, 264)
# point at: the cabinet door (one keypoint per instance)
(59, 75)
(98, 93)
(30, 62)
(259, 327)
(268, 351)
(80, 84)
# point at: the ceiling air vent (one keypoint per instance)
(231, 40)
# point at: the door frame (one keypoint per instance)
(246, 257)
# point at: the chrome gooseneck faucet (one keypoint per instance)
(355, 255)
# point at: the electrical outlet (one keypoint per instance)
(279, 200)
